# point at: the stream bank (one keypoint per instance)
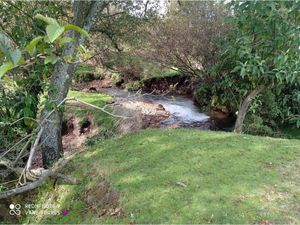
(159, 110)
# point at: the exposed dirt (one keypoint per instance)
(222, 117)
(181, 85)
(141, 114)
(75, 133)
(103, 199)
(94, 85)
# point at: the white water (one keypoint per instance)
(182, 109)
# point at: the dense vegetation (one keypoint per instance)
(237, 60)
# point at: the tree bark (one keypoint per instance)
(238, 128)
(85, 15)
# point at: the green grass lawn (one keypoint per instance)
(184, 176)
(98, 99)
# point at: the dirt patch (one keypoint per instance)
(141, 114)
(75, 132)
(181, 85)
(207, 124)
(95, 85)
(223, 118)
(103, 199)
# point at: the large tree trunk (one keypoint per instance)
(244, 108)
(85, 15)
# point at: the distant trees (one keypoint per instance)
(239, 52)
(186, 37)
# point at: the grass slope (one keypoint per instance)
(229, 178)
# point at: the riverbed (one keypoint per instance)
(183, 112)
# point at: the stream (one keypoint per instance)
(183, 111)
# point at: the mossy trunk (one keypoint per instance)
(51, 140)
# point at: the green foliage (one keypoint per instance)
(77, 29)
(54, 31)
(12, 55)
(6, 66)
(84, 73)
(31, 47)
(133, 86)
(256, 125)
(203, 95)
(261, 49)
(41, 43)
(25, 71)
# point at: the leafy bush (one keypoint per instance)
(255, 125)
(203, 96)
(133, 86)
(84, 73)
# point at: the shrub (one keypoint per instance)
(84, 73)
(255, 125)
(133, 86)
(203, 96)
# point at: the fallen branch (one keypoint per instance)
(32, 185)
(27, 187)
(40, 175)
(11, 148)
(33, 149)
(21, 152)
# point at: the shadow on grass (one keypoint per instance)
(183, 176)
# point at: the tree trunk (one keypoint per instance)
(244, 108)
(85, 15)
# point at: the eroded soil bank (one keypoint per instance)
(164, 102)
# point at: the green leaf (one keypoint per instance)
(46, 19)
(243, 72)
(5, 67)
(15, 56)
(4, 44)
(65, 40)
(237, 68)
(32, 45)
(54, 31)
(76, 28)
(82, 49)
(51, 59)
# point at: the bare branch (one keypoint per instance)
(21, 152)
(32, 150)
(23, 139)
(100, 108)
(30, 186)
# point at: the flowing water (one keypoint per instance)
(182, 109)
